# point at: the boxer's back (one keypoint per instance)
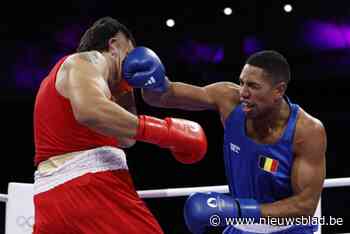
(55, 129)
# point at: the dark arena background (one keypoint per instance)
(207, 43)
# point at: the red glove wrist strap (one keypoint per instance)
(151, 129)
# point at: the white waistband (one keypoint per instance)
(261, 228)
(104, 158)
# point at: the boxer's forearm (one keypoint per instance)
(154, 98)
(295, 206)
(126, 100)
(180, 96)
(125, 142)
(107, 118)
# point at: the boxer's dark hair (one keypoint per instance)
(273, 63)
(97, 36)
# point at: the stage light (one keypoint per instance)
(170, 23)
(227, 11)
(288, 8)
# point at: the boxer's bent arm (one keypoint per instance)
(308, 174)
(88, 94)
(127, 101)
(189, 97)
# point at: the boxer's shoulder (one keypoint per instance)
(226, 96)
(308, 128)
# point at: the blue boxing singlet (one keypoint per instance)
(259, 171)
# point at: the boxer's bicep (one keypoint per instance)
(86, 89)
(307, 177)
(308, 172)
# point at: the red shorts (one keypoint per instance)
(95, 202)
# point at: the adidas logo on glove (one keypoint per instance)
(150, 81)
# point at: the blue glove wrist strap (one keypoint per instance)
(249, 208)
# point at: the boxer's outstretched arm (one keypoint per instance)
(184, 96)
(308, 174)
(142, 68)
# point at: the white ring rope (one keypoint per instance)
(3, 197)
(178, 192)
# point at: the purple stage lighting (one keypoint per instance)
(326, 36)
(68, 38)
(251, 45)
(196, 52)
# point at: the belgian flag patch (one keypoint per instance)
(268, 164)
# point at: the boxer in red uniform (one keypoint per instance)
(84, 113)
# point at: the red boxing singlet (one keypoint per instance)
(55, 129)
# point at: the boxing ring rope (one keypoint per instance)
(3, 197)
(178, 192)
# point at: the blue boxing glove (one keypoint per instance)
(203, 210)
(143, 69)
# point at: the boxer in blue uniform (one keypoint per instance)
(274, 150)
